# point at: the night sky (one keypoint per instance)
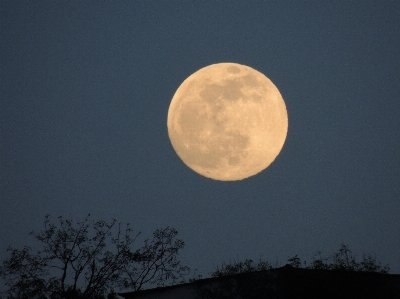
(85, 88)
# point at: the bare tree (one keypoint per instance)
(156, 262)
(87, 259)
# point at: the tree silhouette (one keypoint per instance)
(87, 259)
(344, 260)
(248, 280)
(238, 280)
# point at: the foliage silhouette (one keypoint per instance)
(87, 259)
(344, 260)
(248, 280)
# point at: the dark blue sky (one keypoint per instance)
(85, 89)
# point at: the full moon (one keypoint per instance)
(227, 122)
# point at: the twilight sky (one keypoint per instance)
(84, 94)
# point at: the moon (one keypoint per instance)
(227, 122)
